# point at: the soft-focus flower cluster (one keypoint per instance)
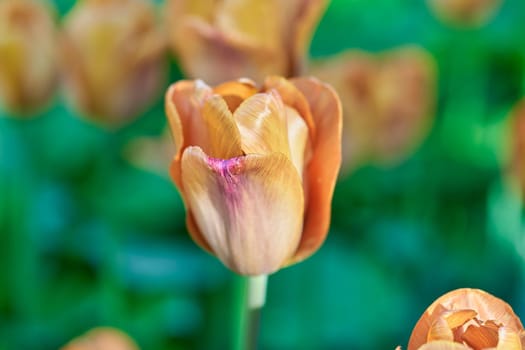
(103, 338)
(27, 54)
(388, 101)
(465, 12)
(468, 319)
(256, 167)
(231, 39)
(113, 58)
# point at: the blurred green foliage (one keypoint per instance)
(86, 239)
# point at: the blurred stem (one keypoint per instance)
(254, 290)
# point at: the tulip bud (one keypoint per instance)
(387, 100)
(256, 167)
(27, 54)
(103, 338)
(468, 319)
(113, 55)
(224, 40)
(465, 12)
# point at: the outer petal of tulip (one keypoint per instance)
(249, 208)
(27, 54)
(481, 331)
(103, 338)
(324, 165)
(98, 33)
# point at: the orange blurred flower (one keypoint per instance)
(469, 319)
(113, 56)
(27, 54)
(517, 161)
(223, 40)
(103, 338)
(465, 12)
(256, 167)
(388, 101)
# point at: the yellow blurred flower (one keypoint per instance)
(27, 54)
(388, 102)
(224, 40)
(465, 12)
(468, 319)
(103, 338)
(113, 56)
(256, 167)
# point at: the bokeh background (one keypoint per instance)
(89, 238)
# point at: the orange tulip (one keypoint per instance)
(465, 12)
(103, 338)
(27, 54)
(469, 319)
(113, 57)
(387, 99)
(517, 161)
(224, 40)
(256, 167)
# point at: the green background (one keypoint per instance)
(87, 239)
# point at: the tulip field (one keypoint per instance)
(262, 174)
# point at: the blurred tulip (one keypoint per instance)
(517, 162)
(103, 338)
(256, 167)
(27, 54)
(388, 102)
(224, 40)
(113, 56)
(153, 154)
(465, 12)
(469, 319)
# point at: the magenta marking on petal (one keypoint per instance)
(227, 169)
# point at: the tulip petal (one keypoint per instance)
(297, 139)
(459, 318)
(480, 337)
(183, 103)
(443, 345)
(324, 166)
(262, 123)
(440, 331)
(509, 340)
(232, 200)
(234, 92)
(224, 139)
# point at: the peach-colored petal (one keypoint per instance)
(509, 340)
(324, 166)
(458, 318)
(184, 100)
(249, 208)
(440, 330)
(234, 92)
(224, 139)
(443, 345)
(102, 338)
(262, 123)
(297, 139)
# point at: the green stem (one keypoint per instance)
(253, 301)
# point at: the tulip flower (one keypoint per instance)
(224, 40)
(103, 338)
(256, 167)
(388, 102)
(27, 54)
(465, 12)
(469, 319)
(113, 55)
